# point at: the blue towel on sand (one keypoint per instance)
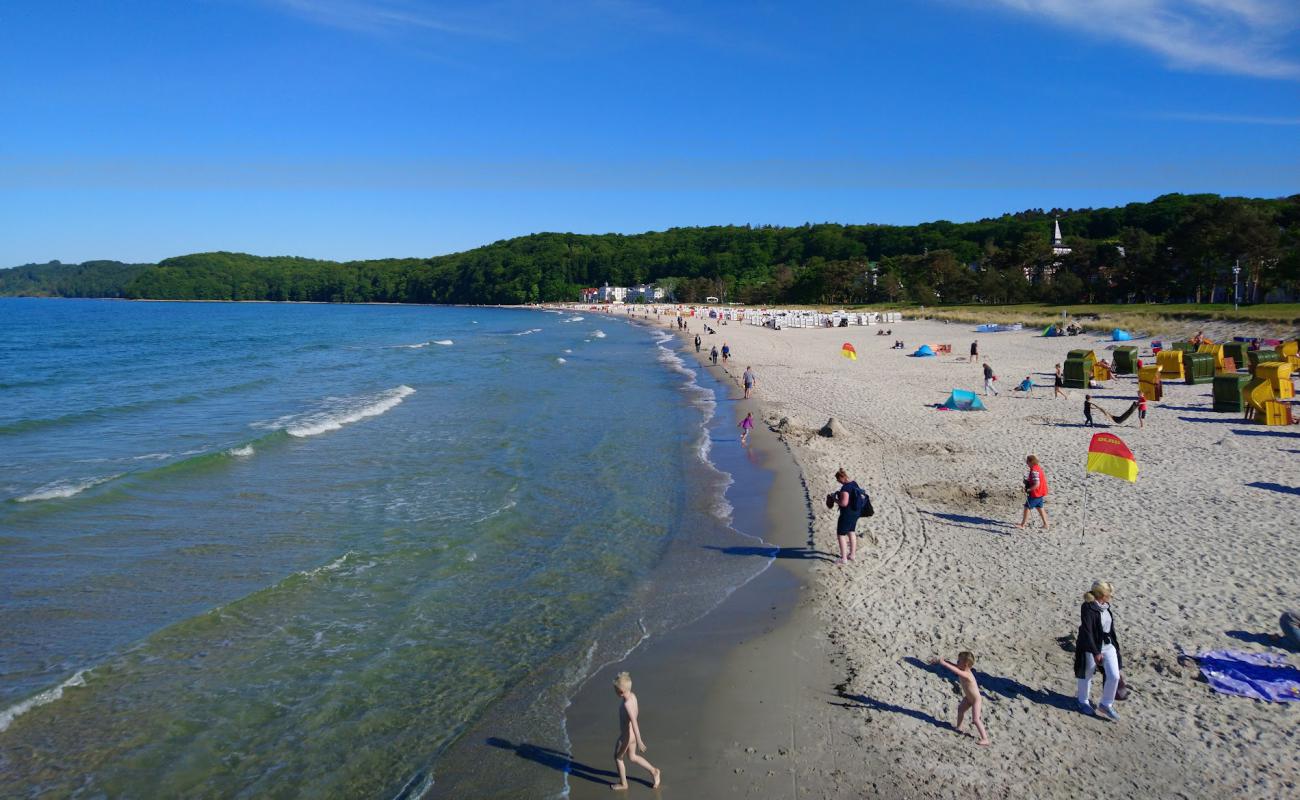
(1259, 676)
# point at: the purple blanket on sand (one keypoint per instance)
(1259, 676)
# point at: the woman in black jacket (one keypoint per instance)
(1097, 646)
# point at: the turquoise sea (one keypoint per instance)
(256, 550)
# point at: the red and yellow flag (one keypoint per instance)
(848, 352)
(1110, 456)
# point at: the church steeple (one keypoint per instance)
(1058, 243)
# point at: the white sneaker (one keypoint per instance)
(1110, 712)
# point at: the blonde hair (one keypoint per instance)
(623, 681)
(1032, 459)
(841, 474)
(1099, 589)
(966, 657)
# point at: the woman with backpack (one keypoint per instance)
(853, 502)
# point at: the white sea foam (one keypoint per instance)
(243, 451)
(599, 334)
(338, 412)
(561, 361)
(416, 346)
(151, 457)
(569, 352)
(11, 713)
(527, 332)
(444, 342)
(66, 488)
(573, 319)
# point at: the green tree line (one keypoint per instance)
(1176, 248)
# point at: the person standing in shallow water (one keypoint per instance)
(746, 425)
(629, 734)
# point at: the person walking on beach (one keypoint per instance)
(989, 379)
(1059, 383)
(851, 499)
(1097, 646)
(974, 350)
(629, 734)
(1035, 491)
(749, 381)
(746, 425)
(971, 701)
(697, 343)
(1142, 409)
(1087, 411)
(726, 352)
(713, 355)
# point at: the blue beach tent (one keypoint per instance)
(923, 351)
(1118, 335)
(961, 400)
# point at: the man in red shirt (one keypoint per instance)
(1035, 491)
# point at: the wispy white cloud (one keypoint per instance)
(385, 17)
(1242, 37)
(1229, 119)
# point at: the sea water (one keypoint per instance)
(297, 550)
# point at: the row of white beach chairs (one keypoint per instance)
(812, 319)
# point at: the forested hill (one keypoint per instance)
(1177, 247)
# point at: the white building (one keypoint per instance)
(1058, 244)
(612, 294)
(647, 292)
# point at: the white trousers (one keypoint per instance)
(988, 386)
(1111, 661)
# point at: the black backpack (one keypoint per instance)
(862, 502)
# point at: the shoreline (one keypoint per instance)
(753, 480)
(728, 695)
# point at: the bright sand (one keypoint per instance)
(1201, 551)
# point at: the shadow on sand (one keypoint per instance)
(974, 523)
(559, 761)
(861, 701)
(1274, 487)
(772, 551)
(1247, 432)
(1266, 639)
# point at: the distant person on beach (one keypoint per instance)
(746, 425)
(726, 352)
(848, 500)
(1059, 385)
(1087, 411)
(971, 701)
(749, 380)
(989, 380)
(713, 355)
(1097, 646)
(1026, 386)
(1035, 491)
(697, 343)
(629, 734)
(1142, 409)
(974, 350)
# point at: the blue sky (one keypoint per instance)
(139, 129)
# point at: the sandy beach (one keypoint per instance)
(1201, 552)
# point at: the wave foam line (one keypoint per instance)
(599, 334)
(415, 346)
(528, 332)
(444, 342)
(65, 488)
(355, 410)
(44, 698)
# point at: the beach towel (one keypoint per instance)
(1259, 676)
(1119, 418)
